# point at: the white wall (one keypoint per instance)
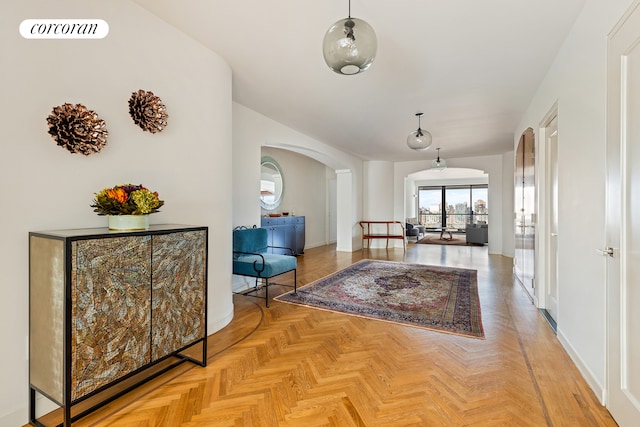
(251, 131)
(508, 204)
(378, 200)
(46, 187)
(577, 82)
(410, 197)
(378, 191)
(305, 192)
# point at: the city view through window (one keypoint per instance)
(462, 205)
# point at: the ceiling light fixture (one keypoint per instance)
(419, 139)
(439, 163)
(349, 46)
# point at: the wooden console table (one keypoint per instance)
(107, 306)
(382, 230)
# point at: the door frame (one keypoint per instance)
(543, 243)
(524, 218)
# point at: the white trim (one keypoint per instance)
(221, 322)
(544, 217)
(589, 377)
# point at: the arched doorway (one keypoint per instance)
(451, 198)
(337, 191)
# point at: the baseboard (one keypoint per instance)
(16, 418)
(214, 327)
(550, 320)
(595, 385)
(316, 245)
(21, 416)
(241, 283)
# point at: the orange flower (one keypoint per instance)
(117, 194)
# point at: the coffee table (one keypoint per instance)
(448, 231)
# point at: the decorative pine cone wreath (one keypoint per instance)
(148, 111)
(77, 128)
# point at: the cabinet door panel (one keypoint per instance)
(280, 239)
(178, 291)
(300, 238)
(46, 324)
(110, 310)
(286, 232)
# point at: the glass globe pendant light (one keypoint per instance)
(419, 139)
(438, 163)
(349, 46)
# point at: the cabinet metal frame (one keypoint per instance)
(68, 236)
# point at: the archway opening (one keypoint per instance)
(452, 199)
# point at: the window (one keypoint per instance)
(430, 206)
(453, 206)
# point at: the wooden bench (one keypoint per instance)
(382, 230)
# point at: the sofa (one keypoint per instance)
(477, 234)
(414, 230)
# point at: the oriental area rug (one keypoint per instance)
(442, 299)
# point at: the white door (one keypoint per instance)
(551, 291)
(623, 220)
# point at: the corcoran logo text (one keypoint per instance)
(64, 28)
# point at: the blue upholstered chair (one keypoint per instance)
(251, 258)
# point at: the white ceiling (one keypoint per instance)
(471, 66)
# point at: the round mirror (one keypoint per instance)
(271, 184)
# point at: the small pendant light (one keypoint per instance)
(419, 139)
(438, 163)
(349, 46)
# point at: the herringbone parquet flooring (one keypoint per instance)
(295, 366)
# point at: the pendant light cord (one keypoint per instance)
(419, 131)
(349, 9)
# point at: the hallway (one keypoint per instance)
(297, 366)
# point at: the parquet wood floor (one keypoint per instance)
(296, 366)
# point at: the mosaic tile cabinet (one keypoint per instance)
(106, 306)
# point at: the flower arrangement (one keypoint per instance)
(126, 199)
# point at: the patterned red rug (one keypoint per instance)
(443, 299)
(456, 240)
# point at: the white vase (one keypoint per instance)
(128, 222)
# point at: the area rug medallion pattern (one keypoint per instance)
(444, 299)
